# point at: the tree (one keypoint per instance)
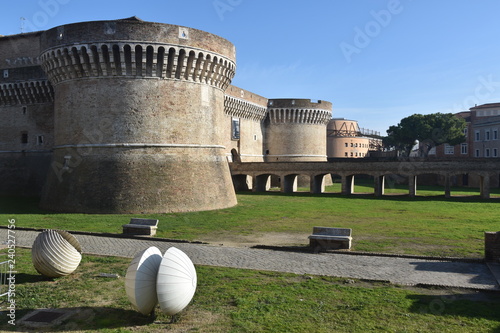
(429, 130)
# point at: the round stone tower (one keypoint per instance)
(295, 130)
(138, 106)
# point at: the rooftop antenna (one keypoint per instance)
(22, 24)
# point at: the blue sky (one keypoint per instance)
(377, 61)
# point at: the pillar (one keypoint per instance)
(447, 186)
(484, 184)
(348, 184)
(412, 184)
(289, 184)
(379, 185)
(317, 184)
(261, 183)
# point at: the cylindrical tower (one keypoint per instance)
(344, 139)
(295, 130)
(138, 106)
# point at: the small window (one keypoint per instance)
(477, 153)
(25, 109)
(40, 140)
(477, 136)
(487, 135)
(346, 154)
(5, 73)
(346, 144)
(463, 148)
(487, 152)
(24, 137)
(495, 134)
(495, 152)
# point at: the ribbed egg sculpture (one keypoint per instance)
(140, 280)
(56, 253)
(176, 282)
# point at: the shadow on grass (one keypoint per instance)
(474, 305)
(30, 205)
(80, 319)
(370, 196)
(20, 205)
(23, 278)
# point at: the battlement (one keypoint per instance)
(238, 107)
(301, 111)
(29, 92)
(299, 103)
(136, 49)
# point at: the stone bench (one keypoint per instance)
(324, 238)
(145, 227)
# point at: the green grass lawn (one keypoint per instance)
(425, 225)
(233, 300)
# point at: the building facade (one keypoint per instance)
(345, 139)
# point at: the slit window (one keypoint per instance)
(24, 137)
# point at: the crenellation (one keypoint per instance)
(138, 60)
(30, 92)
(240, 108)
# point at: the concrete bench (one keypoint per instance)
(324, 238)
(145, 227)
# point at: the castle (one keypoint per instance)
(128, 116)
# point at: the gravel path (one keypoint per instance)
(404, 271)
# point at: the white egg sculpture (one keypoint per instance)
(56, 253)
(140, 280)
(176, 282)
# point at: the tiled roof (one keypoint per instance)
(484, 106)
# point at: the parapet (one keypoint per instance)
(136, 49)
(299, 103)
(245, 104)
(302, 111)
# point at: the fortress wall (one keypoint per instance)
(139, 118)
(18, 51)
(26, 116)
(248, 110)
